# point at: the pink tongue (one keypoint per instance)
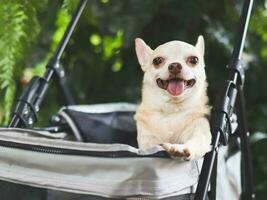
(175, 87)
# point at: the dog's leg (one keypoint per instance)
(194, 146)
(145, 138)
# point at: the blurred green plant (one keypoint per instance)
(18, 21)
(62, 19)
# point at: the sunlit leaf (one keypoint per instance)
(95, 39)
(117, 65)
(112, 44)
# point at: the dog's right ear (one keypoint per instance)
(143, 53)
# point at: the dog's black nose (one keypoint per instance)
(175, 68)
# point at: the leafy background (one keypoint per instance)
(100, 61)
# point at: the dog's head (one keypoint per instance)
(175, 68)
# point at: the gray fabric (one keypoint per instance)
(73, 127)
(103, 108)
(108, 177)
(228, 175)
(57, 195)
(153, 178)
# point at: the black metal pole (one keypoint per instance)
(213, 179)
(206, 171)
(223, 109)
(54, 64)
(64, 41)
(25, 112)
(242, 32)
(68, 98)
(246, 167)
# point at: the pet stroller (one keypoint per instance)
(104, 161)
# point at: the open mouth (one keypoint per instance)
(175, 86)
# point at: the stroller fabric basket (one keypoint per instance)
(110, 170)
(114, 123)
(104, 167)
(102, 123)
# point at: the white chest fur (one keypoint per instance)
(164, 126)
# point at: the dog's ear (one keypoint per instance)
(200, 44)
(143, 53)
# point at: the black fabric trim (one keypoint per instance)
(96, 131)
(63, 151)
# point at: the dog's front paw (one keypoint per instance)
(178, 151)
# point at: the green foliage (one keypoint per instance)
(111, 44)
(21, 27)
(18, 20)
(61, 22)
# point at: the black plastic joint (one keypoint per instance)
(222, 111)
(238, 67)
(57, 67)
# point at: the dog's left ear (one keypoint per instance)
(200, 44)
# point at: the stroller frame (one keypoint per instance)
(230, 100)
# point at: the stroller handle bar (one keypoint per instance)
(242, 32)
(64, 41)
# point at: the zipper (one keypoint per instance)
(65, 151)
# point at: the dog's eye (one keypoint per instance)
(192, 60)
(158, 60)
